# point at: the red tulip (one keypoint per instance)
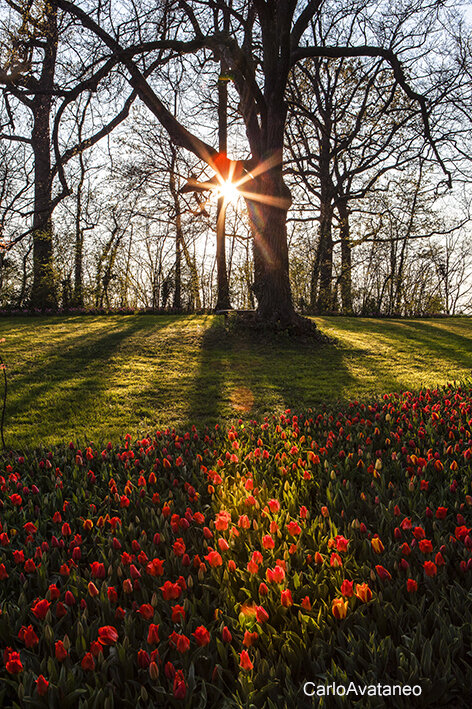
(171, 591)
(28, 636)
(214, 559)
(30, 566)
(245, 661)
(430, 568)
(252, 567)
(293, 528)
(146, 611)
(107, 635)
(261, 615)
(335, 561)
(54, 592)
(363, 592)
(286, 598)
(155, 567)
(42, 686)
(250, 638)
(92, 589)
(88, 663)
(377, 545)
(178, 614)
(223, 544)
(202, 636)
(69, 598)
(383, 573)
(60, 651)
(339, 608)
(169, 671)
(97, 570)
(40, 609)
(179, 686)
(268, 542)
(112, 594)
(153, 634)
(143, 659)
(13, 663)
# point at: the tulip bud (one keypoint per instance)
(153, 671)
(92, 589)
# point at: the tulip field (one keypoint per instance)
(229, 565)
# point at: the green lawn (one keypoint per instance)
(101, 377)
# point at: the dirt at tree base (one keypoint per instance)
(295, 327)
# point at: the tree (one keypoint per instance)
(263, 43)
(35, 75)
(350, 124)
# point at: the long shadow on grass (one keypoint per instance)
(440, 340)
(247, 374)
(76, 377)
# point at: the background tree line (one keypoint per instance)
(104, 120)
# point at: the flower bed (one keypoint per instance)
(229, 568)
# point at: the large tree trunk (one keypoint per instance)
(267, 212)
(268, 219)
(43, 293)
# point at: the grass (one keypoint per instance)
(97, 378)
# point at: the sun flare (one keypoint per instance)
(228, 191)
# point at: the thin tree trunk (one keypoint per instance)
(324, 300)
(409, 231)
(346, 258)
(177, 301)
(194, 279)
(222, 296)
(78, 297)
